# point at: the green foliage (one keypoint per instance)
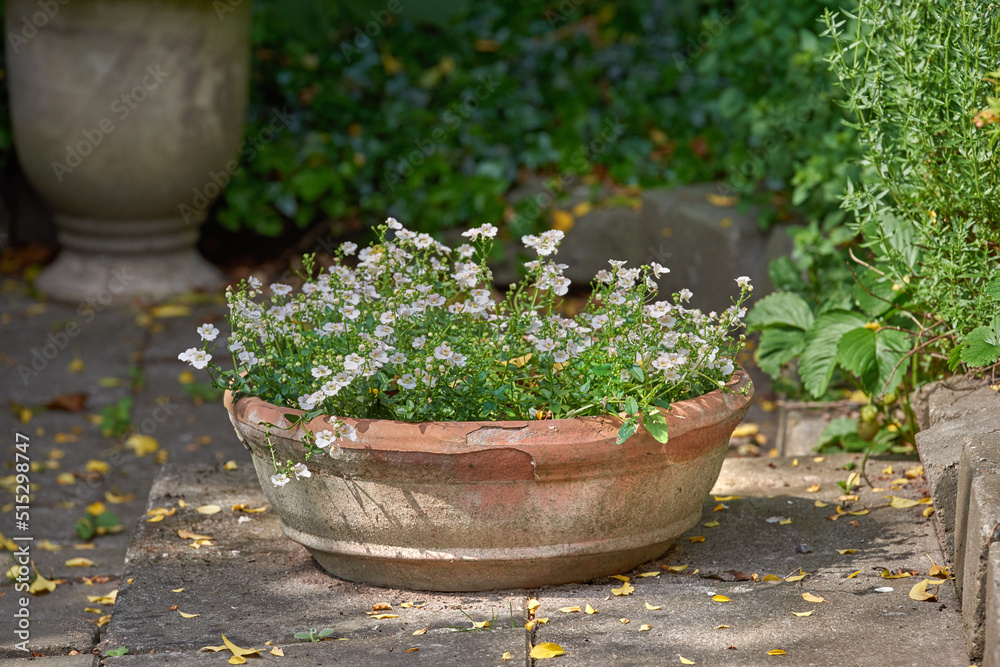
(435, 123)
(922, 272)
(91, 525)
(313, 635)
(117, 652)
(116, 419)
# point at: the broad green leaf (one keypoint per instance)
(657, 430)
(631, 406)
(993, 288)
(980, 348)
(820, 354)
(780, 308)
(873, 356)
(873, 293)
(856, 353)
(625, 432)
(779, 345)
(890, 347)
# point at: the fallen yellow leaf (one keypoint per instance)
(797, 577)
(379, 617)
(902, 503)
(771, 577)
(685, 661)
(886, 574)
(654, 608)
(920, 593)
(236, 660)
(589, 610)
(209, 509)
(103, 620)
(65, 479)
(645, 627)
(928, 511)
(230, 465)
(178, 590)
(155, 519)
(421, 631)
(506, 656)
(813, 489)
(44, 545)
(475, 624)
(721, 627)
(711, 524)
(80, 562)
(162, 511)
(75, 366)
(720, 598)
(406, 605)
(675, 568)
(725, 499)
(142, 444)
(93, 465)
(626, 589)
(820, 503)
(620, 577)
(744, 430)
(237, 651)
(41, 585)
(801, 613)
(854, 574)
(914, 472)
(721, 200)
(809, 597)
(562, 220)
(720, 507)
(623, 621)
(412, 650)
(785, 522)
(696, 538)
(186, 534)
(776, 651)
(569, 610)
(97, 509)
(92, 610)
(546, 650)
(533, 604)
(183, 615)
(277, 651)
(104, 599)
(115, 499)
(182, 503)
(649, 574)
(844, 552)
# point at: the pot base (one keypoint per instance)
(100, 279)
(469, 570)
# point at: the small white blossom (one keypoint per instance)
(320, 371)
(349, 248)
(208, 332)
(280, 289)
(418, 342)
(248, 359)
(743, 281)
(407, 381)
(486, 231)
(301, 471)
(280, 479)
(198, 358)
(659, 270)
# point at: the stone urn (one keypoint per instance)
(470, 506)
(127, 117)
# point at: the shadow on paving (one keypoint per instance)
(256, 586)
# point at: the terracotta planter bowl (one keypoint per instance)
(472, 506)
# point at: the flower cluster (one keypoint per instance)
(410, 329)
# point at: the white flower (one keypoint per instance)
(330, 388)
(301, 471)
(599, 321)
(743, 281)
(397, 358)
(393, 223)
(248, 359)
(545, 345)
(208, 332)
(727, 367)
(343, 378)
(382, 331)
(198, 358)
(187, 354)
(353, 361)
(325, 438)
(659, 270)
(280, 289)
(235, 345)
(280, 479)
(407, 381)
(349, 248)
(334, 327)
(320, 371)
(487, 231)
(350, 312)
(418, 342)
(342, 430)
(466, 251)
(685, 295)
(560, 356)
(254, 283)
(443, 351)
(308, 401)
(457, 359)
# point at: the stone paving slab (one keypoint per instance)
(50, 637)
(254, 585)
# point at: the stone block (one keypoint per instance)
(982, 535)
(54, 637)
(980, 457)
(991, 649)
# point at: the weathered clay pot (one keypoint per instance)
(127, 117)
(467, 506)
